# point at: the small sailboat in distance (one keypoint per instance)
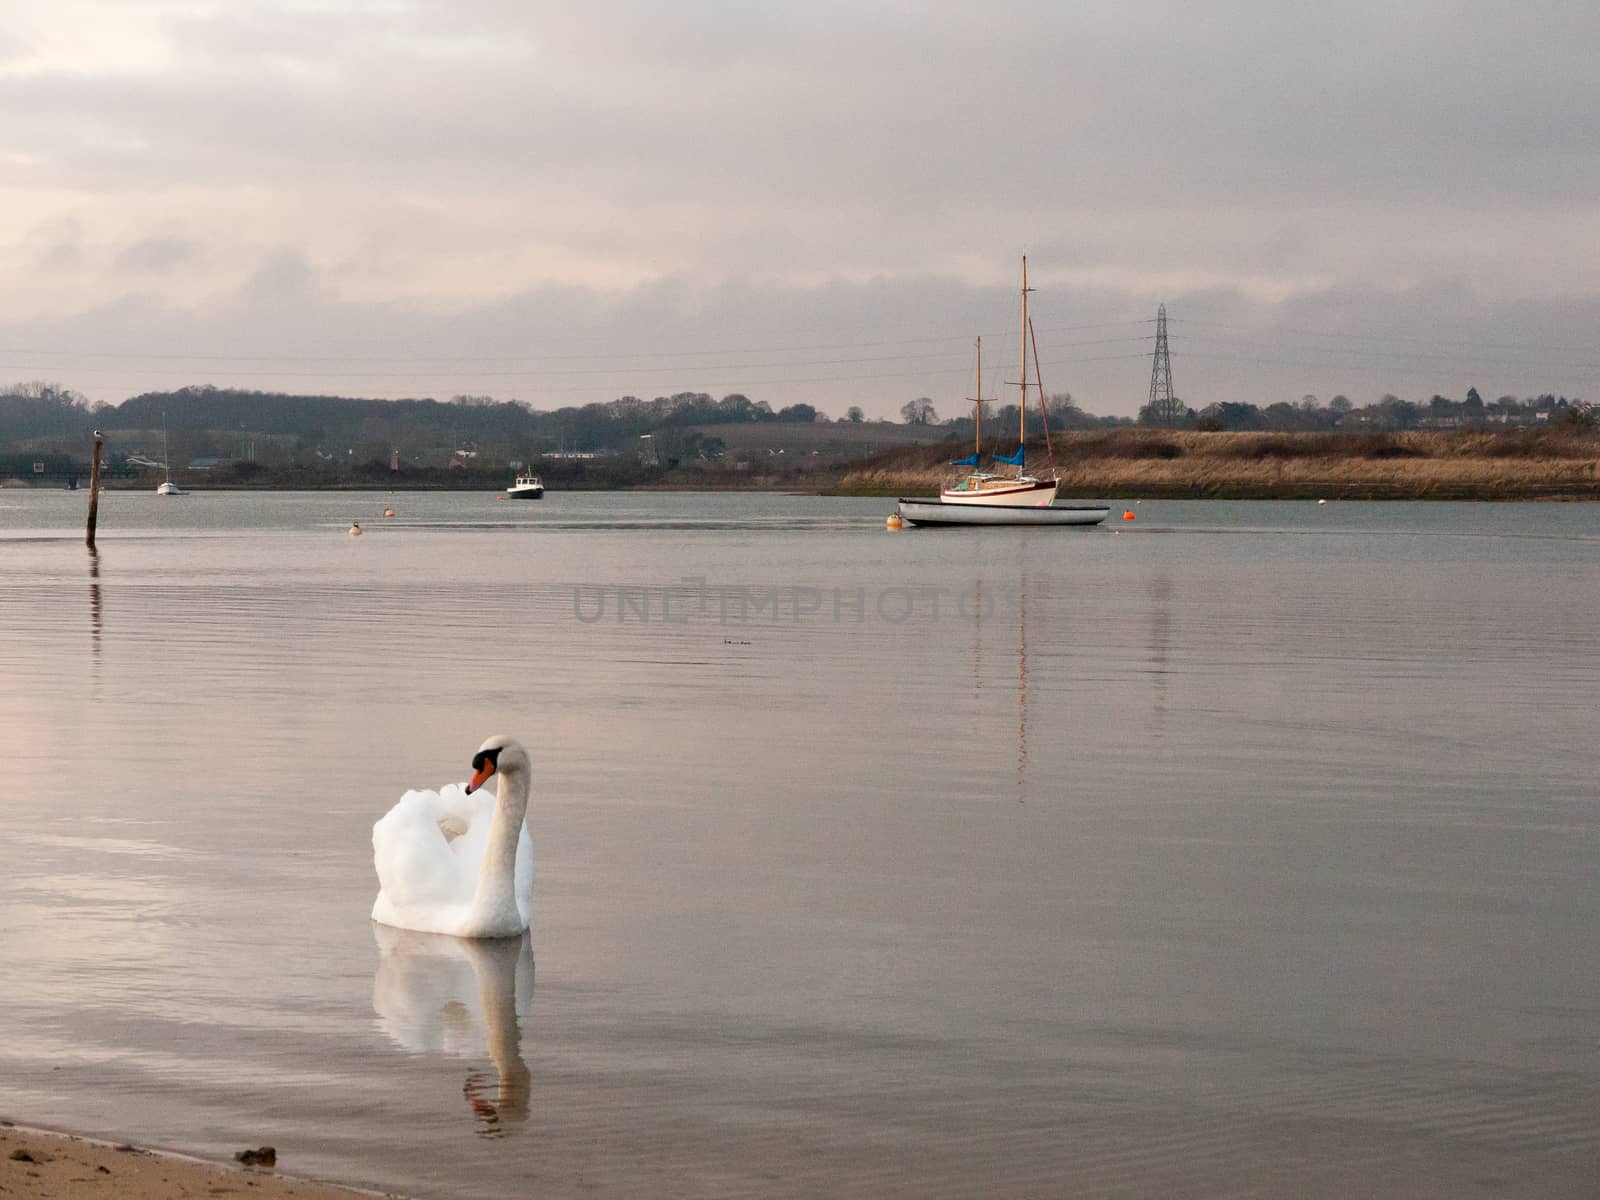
(168, 488)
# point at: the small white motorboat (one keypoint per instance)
(527, 487)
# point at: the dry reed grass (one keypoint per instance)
(1412, 464)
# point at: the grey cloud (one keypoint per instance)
(156, 255)
(759, 104)
(61, 256)
(284, 279)
(1348, 162)
(57, 244)
(876, 344)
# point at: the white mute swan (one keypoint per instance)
(459, 861)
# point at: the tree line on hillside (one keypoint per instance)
(209, 419)
(277, 427)
(1389, 413)
(1061, 413)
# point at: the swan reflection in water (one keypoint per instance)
(436, 994)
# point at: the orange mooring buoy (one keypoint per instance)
(388, 512)
(1128, 516)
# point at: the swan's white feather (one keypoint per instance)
(427, 881)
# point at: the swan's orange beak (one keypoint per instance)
(481, 776)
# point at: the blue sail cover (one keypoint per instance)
(1014, 459)
(970, 460)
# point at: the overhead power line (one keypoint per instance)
(396, 359)
(457, 377)
(1275, 331)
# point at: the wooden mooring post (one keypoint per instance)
(94, 492)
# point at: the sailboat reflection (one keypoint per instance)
(1160, 649)
(1022, 686)
(436, 994)
(987, 609)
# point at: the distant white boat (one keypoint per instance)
(527, 487)
(168, 488)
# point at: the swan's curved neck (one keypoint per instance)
(495, 903)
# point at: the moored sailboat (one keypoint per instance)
(1020, 490)
(993, 498)
(168, 488)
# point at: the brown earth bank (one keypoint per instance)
(53, 1166)
(1413, 465)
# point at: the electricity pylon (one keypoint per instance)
(1165, 408)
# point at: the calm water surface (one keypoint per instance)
(1243, 849)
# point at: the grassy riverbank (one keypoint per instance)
(1436, 465)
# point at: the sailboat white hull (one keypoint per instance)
(1019, 493)
(170, 489)
(938, 512)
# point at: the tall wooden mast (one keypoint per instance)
(1022, 408)
(977, 408)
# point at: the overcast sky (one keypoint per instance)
(820, 201)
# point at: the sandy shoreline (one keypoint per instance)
(45, 1165)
